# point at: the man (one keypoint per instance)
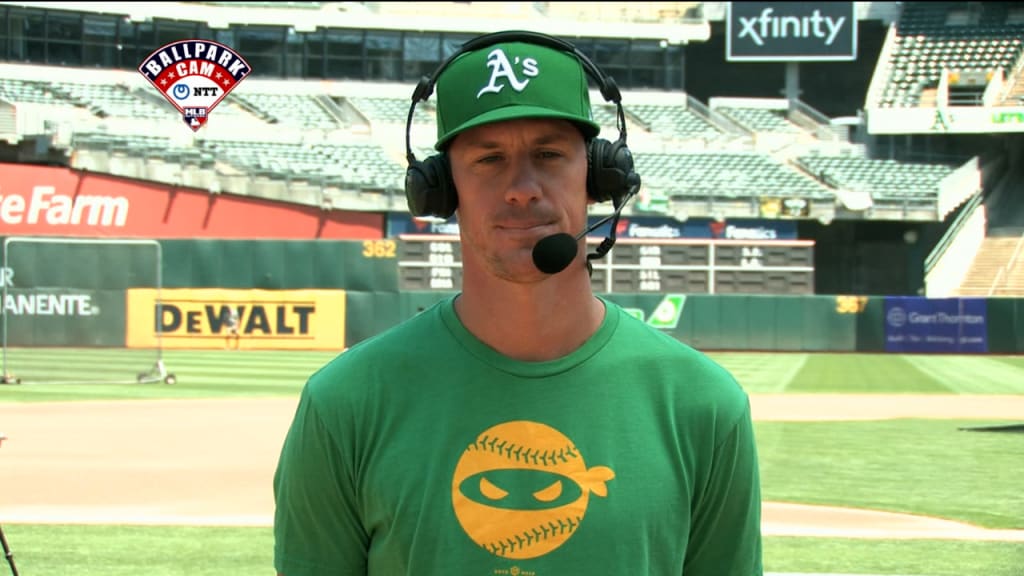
(232, 335)
(526, 425)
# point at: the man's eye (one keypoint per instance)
(550, 154)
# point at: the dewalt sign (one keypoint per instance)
(267, 319)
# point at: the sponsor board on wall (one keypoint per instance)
(53, 201)
(647, 228)
(198, 318)
(919, 324)
(792, 207)
(790, 31)
(947, 120)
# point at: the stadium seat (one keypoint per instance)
(931, 40)
(296, 110)
(27, 91)
(390, 110)
(675, 121)
(105, 101)
(886, 180)
(759, 119)
(732, 175)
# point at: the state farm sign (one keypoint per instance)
(53, 201)
(45, 205)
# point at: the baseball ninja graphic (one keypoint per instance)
(521, 489)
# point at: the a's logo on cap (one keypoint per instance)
(194, 76)
(501, 67)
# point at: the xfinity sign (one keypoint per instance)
(790, 31)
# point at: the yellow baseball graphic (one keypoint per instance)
(521, 489)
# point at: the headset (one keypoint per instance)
(429, 189)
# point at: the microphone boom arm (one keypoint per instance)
(609, 241)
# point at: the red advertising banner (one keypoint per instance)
(54, 201)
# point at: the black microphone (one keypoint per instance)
(553, 253)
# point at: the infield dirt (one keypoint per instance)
(210, 462)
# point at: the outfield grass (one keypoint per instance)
(200, 374)
(903, 557)
(173, 551)
(928, 467)
(875, 373)
(219, 373)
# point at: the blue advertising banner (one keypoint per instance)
(918, 324)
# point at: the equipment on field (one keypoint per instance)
(7, 553)
(3, 540)
(64, 314)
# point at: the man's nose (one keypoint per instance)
(525, 182)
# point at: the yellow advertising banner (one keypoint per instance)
(201, 318)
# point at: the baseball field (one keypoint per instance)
(871, 464)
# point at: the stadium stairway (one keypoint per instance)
(997, 269)
(998, 266)
(1015, 96)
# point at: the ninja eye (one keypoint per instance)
(549, 494)
(490, 491)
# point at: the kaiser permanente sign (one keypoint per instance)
(790, 31)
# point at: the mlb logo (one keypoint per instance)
(195, 117)
(194, 76)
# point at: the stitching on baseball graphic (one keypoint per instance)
(518, 452)
(564, 527)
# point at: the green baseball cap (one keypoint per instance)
(512, 80)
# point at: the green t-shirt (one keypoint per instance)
(422, 451)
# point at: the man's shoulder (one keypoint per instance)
(657, 343)
(705, 380)
(390, 350)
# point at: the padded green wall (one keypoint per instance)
(368, 273)
(278, 265)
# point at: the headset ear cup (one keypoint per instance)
(447, 199)
(427, 188)
(595, 155)
(610, 171)
(418, 183)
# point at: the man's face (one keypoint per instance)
(518, 181)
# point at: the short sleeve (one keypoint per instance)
(725, 538)
(317, 528)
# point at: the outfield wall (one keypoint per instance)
(327, 295)
(815, 323)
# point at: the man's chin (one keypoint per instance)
(517, 266)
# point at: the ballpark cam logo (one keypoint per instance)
(194, 76)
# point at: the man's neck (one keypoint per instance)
(532, 322)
